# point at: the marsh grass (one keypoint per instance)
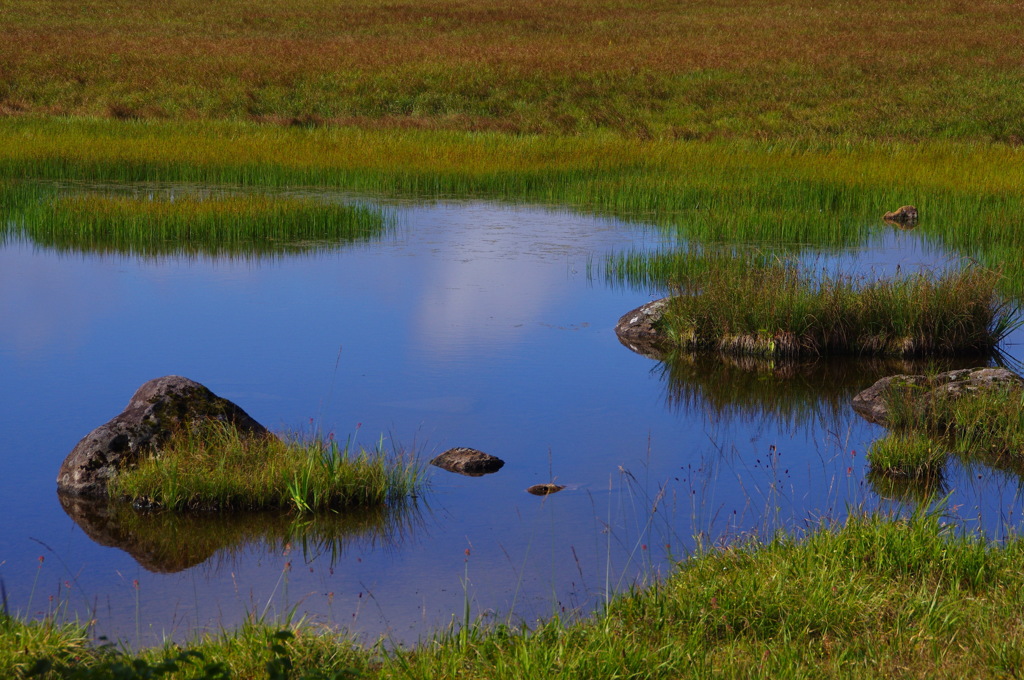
(777, 309)
(214, 468)
(874, 597)
(793, 194)
(985, 424)
(151, 225)
(907, 455)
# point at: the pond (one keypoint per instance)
(468, 323)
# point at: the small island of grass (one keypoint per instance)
(165, 223)
(215, 468)
(755, 307)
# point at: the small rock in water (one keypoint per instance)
(469, 462)
(545, 489)
(638, 330)
(906, 216)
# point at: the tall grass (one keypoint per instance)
(214, 468)
(777, 309)
(785, 193)
(156, 224)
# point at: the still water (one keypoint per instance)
(470, 324)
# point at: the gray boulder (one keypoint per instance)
(639, 329)
(469, 462)
(156, 410)
(872, 406)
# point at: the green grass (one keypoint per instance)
(875, 597)
(796, 193)
(158, 223)
(986, 424)
(909, 456)
(747, 306)
(214, 468)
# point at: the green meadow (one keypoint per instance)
(778, 128)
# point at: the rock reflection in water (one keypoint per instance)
(167, 542)
(795, 392)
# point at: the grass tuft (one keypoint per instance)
(908, 456)
(214, 468)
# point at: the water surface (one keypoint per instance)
(470, 324)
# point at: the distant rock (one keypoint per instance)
(871, 403)
(159, 408)
(639, 329)
(469, 462)
(545, 489)
(906, 216)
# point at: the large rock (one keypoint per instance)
(469, 462)
(158, 409)
(640, 331)
(872, 404)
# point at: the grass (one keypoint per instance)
(875, 597)
(745, 306)
(986, 424)
(909, 456)
(214, 468)
(790, 193)
(667, 70)
(159, 223)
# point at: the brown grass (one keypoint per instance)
(684, 69)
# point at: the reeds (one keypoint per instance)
(776, 309)
(213, 468)
(166, 223)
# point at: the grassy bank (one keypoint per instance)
(216, 469)
(874, 598)
(756, 307)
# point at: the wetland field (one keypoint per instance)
(390, 229)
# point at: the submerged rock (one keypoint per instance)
(469, 462)
(906, 216)
(639, 329)
(157, 409)
(545, 489)
(872, 406)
